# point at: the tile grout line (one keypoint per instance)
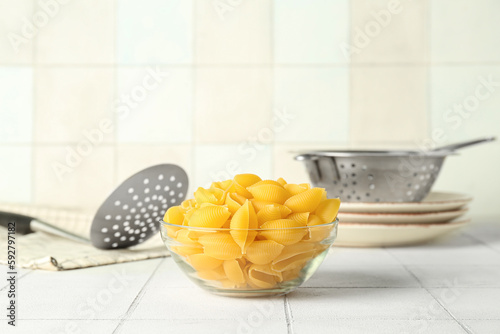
(470, 236)
(137, 299)
(433, 297)
(18, 279)
(288, 315)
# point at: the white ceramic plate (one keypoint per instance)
(435, 201)
(380, 235)
(400, 218)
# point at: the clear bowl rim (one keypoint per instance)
(162, 222)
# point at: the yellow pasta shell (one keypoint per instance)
(243, 220)
(268, 213)
(269, 192)
(234, 271)
(263, 182)
(220, 246)
(223, 185)
(213, 275)
(234, 201)
(209, 216)
(246, 180)
(282, 231)
(203, 262)
(301, 217)
(306, 201)
(295, 189)
(281, 181)
(258, 205)
(293, 256)
(327, 210)
(263, 276)
(174, 215)
(263, 252)
(240, 190)
(213, 196)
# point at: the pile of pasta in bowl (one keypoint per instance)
(251, 237)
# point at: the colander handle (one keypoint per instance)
(457, 146)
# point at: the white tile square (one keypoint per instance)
(15, 168)
(133, 158)
(440, 276)
(77, 32)
(310, 31)
(358, 256)
(66, 178)
(62, 326)
(16, 99)
(382, 32)
(470, 303)
(72, 103)
(355, 276)
(317, 102)
(161, 105)
(388, 104)
(376, 326)
(464, 31)
(486, 231)
(482, 326)
(222, 162)
(154, 32)
(186, 304)
(233, 105)
(233, 32)
(16, 42)
(464, 102)
(257, 323)
(454, 250)
(85, 294)
(365, 303)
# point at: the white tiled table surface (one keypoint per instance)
(449, 286)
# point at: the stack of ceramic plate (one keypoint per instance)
(397, 224)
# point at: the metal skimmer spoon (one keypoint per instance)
(129, 216)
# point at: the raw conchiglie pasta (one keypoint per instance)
(283, 231)
(220, 246)
(327, 210)
(263, 276)
(188, 204)
(223, 185)
(242, 224)
(317, 233)
(258, 205)
(291, 274)
(234, 201)
(213, 196)
(268, 213)
(281, 181)
(293, 256)
(246, 180)
(234, 271)
(263, 252)
(204, 262)
(295, 189)
(301, 217)
(269, 192)
(260, 183)
(174, 215)
(186, 245)
(213, 275)
(306, 201)
(240, 190)
(209, 216)
(187, 250)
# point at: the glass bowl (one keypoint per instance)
(275, 261)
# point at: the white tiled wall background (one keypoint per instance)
(246, 84)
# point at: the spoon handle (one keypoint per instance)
(457, 146)
(39, 226)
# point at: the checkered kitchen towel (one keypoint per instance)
(44, 251)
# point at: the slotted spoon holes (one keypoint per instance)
(129, 211)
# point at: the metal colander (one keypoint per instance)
(374, 176)
(378, 176)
